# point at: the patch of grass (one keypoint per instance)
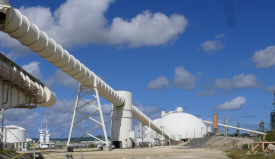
(241, 154)
(6, 151)
(234, 142)
(245, 146)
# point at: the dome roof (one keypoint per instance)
(14, 127)
(183, 124)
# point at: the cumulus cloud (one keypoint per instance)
(222, 35)
(65, 80)
(212, 46)
(12, 56)
(184, 79)
(241, 81)
(234, 104)
(270, 89)
(34, 69)
(206, 93)
(265, 58)
(22, 117)
(151, 111)
(158, 84)
(223, 83)
(62, 79)
(60, 117)
(70, 26)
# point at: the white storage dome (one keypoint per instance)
(152, 133)
(182, 125)
(13, 133)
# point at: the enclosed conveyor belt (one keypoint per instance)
(147, 121)
(237, 128)
(19, 27)
(18, 88)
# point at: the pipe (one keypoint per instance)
(19, 27)
(147, 121)
(227, 126)
(4, 2)
(19, 78)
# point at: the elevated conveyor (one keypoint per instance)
(28, 34)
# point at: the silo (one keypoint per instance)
(13, 134)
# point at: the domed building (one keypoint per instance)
(180, 125)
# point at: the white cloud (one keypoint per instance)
(158, 84)
(265, 58)
(65, 80)
(212, 46)
(12, 56)
(33, 69)
(184, 79)
(49, 82)
(234, 104)
(147, 29)
(207, 93)
(222, 35)
(270, 89)
(62, 79)
(152, 112)
(241, 81)
(223, 83)
(60, 115)
(70, 26)
(22, 117)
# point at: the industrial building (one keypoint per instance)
(14, 134)
(272, 115)
(172, 126)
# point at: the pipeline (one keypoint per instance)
(19, 27)
(233, 127)
(147, 121)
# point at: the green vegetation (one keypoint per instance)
(234, 142)
(242, 154)
(270, 136)
(245, 146)
(92, 146)
(6, 151)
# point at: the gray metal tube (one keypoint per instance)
(146, 120)
(4, 1)
(237, 128)
(28, 34)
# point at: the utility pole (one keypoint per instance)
(226, 122)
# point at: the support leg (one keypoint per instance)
(73, 119)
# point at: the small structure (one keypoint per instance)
(272, 115)
(45, 142)
(14, 134)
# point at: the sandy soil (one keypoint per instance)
(157, 152)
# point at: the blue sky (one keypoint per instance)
(209, 57)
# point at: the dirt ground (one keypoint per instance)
(217, 142)
(157, 152)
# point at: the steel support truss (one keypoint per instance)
(2, 128)
(85, 98)
(145, 132)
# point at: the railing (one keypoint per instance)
(15, 80)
